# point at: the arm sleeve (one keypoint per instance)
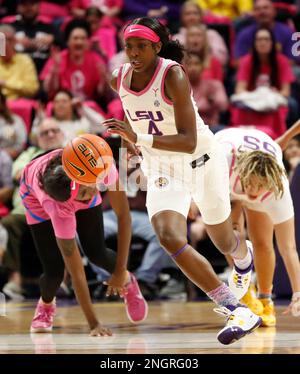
(285, 70)
(112, 176)
(244, 69)
(63, 219)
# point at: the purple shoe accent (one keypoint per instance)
(235, 333)
(232, 307)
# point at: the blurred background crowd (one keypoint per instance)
(242, 58)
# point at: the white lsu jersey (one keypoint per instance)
(149, 111)
(237, 140)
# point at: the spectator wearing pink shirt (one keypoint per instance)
(62, 9)
(54, 10)
(210, 95)
(104, 37)
(76, 68)
(111, 10)
(57, 208)
(265, 67)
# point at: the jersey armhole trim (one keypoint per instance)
(119, 78)
(162, 87)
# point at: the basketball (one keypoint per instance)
(87, 158)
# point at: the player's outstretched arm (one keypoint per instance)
(288, 135)
(285, 237)
(73, 261)
(119, 203)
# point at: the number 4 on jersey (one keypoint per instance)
(153, 129)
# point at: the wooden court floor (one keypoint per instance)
(171, 327)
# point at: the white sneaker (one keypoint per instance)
(225, 274)
(240, 322)
(13, 291)
(239, 280)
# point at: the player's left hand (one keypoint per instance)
(294, 307)
(115, 126)
(116, 283)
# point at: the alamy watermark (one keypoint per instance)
(2, 44)
(164, 172)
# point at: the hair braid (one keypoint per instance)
(265, 167)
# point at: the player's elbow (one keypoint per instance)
(191, 145)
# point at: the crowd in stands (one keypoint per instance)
(241, 56)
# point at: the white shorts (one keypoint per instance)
(207, 184)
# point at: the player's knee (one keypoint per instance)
(263, 247)
(289, 249)
(226, 245)
(170, 240)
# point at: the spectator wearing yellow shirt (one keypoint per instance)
(18, 77)
(227, 8)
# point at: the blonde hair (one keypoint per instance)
(263, 166)
(194, 4)
(205, 53)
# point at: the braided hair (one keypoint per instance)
(265, 167)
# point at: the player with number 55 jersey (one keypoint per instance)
(259, 186)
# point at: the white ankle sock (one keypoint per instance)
(244, 262)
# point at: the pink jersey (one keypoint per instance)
(285, 72)
(41, 207)
(81, 79)
(236, 140)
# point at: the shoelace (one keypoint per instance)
(269, 308)
(238, 281)
(44, 314)
(225, 312)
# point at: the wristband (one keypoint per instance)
(144, 140)
(295, 295)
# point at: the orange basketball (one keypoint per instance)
(87, 158)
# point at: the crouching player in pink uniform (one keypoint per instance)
(57, 208)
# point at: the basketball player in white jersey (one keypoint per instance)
(181, 160)
(258, 185)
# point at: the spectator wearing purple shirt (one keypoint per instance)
(264, 15)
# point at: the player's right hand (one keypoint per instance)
(100, 330)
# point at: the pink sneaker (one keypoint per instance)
(136, 305)
(43, 317)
